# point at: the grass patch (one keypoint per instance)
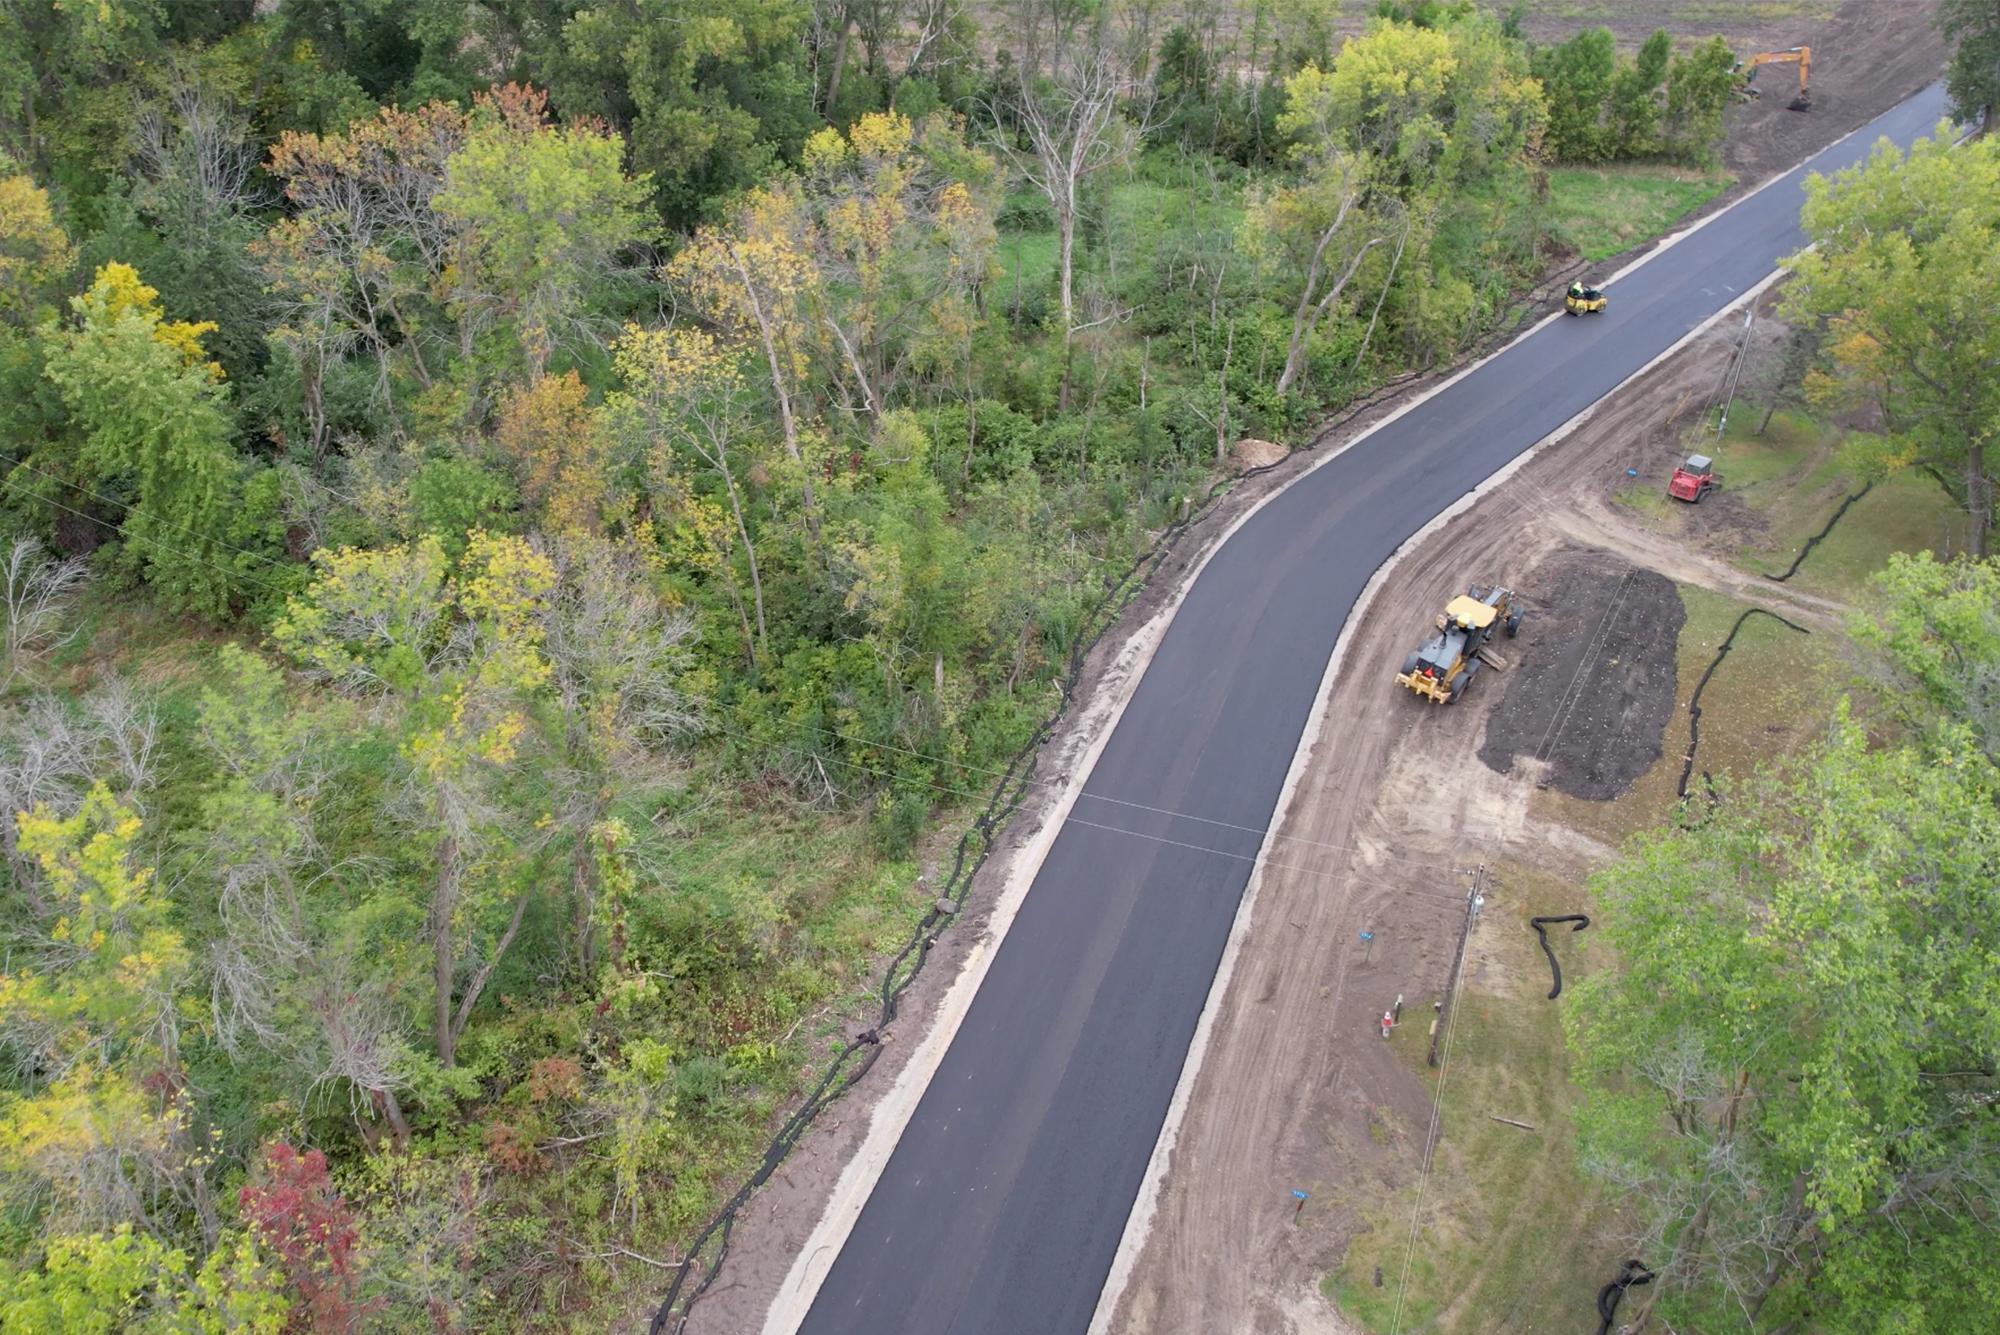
(1794, 475)
(1153, 223)
(1757, 11)
(1603, 211)
(1511, 1226)
(1723, 13)
(1027, 262)
(1906, 512)
(1645, 499)
(1749, 463)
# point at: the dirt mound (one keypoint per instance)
(1249, 453)
(1592, 683)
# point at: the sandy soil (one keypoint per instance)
(1296, 1088)
(1404, 846)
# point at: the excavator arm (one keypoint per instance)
(1798, 55)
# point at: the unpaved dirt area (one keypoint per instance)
(1296, 1089)
(1868, 55)
(1592, 685)
(1403, 875)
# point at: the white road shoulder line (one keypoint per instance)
(898, 1104)
(1139, 1225)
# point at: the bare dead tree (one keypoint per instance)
(1782, 379)
(1336, 257)
(1069, 117)
(709, 426)
(197, 146)
(277, 978)
(931, 22)
(616, 657)
(51, 752)
(36, 594)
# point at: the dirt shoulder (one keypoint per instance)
(1396, 806)
(775, 1224)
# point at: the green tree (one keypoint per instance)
(708, 94)
(192, 206)
(101, 1283)
(1902, 268)
(35, 253)
(458, 648)
(149, 409)
(1634, 111)
(90, 998)
(1577, 78)
(1937, 625)
(406, 51)
(542, 214)
(1973, 77)
(1412, 133)
(65, 97)
(1792, 1064)
(1700, 84)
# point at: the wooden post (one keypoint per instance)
(1472, 897)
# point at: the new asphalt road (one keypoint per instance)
(1004, 1201)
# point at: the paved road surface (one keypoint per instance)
(1001, 1208)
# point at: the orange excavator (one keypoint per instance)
(1798, 55)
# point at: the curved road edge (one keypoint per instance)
(896, 1107)
(1138, 1226)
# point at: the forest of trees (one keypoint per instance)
(454, 454)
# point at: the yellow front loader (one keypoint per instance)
(1444, 665)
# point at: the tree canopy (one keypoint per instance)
(1807, 991)
(1900, 268)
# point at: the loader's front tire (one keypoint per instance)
(1513, 625)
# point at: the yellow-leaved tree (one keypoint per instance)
(683, 391)
(754, 277)
(458, 651)
(89, 997)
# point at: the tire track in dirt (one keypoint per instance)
(1296, 1090)
(1224, 1253)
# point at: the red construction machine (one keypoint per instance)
(1694, 479)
